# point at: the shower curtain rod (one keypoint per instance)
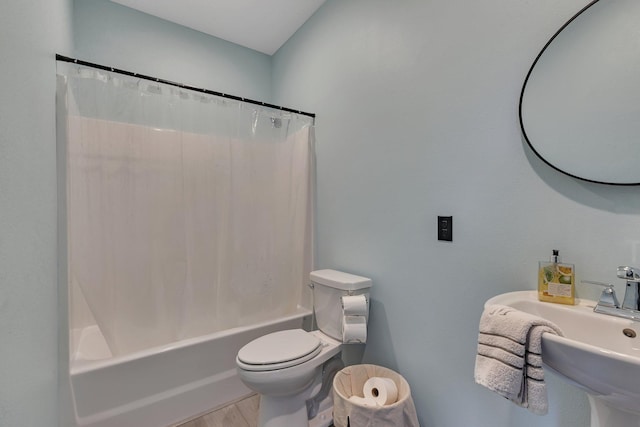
(180, 85)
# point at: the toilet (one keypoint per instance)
(293, 370)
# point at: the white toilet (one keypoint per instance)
(293, 370)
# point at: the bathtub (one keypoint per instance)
(161, 386)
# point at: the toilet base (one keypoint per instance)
(293, 411)
(282, 412)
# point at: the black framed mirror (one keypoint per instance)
(580, 101)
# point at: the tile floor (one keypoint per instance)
(243, 413)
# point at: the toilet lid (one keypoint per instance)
(280, 349)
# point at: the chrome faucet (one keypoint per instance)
(631, 296)
(608, 303)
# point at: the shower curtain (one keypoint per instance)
(187, 213)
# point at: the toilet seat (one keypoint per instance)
(279, 350)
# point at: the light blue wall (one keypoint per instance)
(417, 117)
(30, 35)
(110, 34)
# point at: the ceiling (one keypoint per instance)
(262, 25)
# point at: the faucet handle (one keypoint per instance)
(608, 297)
(632, 293)
(630, 274)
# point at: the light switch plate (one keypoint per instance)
(445, 228)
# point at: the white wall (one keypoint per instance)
(30, 35)
(417, 117)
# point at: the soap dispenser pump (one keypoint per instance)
(556, 280)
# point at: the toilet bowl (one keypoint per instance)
(290, 375)
(292, 370)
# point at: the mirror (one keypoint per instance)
(580, 102)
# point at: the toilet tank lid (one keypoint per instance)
(339, 280)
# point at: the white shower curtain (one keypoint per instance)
(187, 213)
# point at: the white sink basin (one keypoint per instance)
(595, 354)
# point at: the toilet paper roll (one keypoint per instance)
(363, 401)
(383, 390)
(354, 329)
(354, 305)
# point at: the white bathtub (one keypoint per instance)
(163, 385)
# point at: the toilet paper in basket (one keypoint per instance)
(378, 391)
(382, 390)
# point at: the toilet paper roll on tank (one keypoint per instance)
(355, 309)
(377, 391)
(354, 329)
(355, 305)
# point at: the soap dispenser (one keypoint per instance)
(556, 280)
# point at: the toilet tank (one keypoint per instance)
(328, 287)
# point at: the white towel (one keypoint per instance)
(509, 359)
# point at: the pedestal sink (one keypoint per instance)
(599, 354)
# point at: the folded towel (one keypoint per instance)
(509, 359)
